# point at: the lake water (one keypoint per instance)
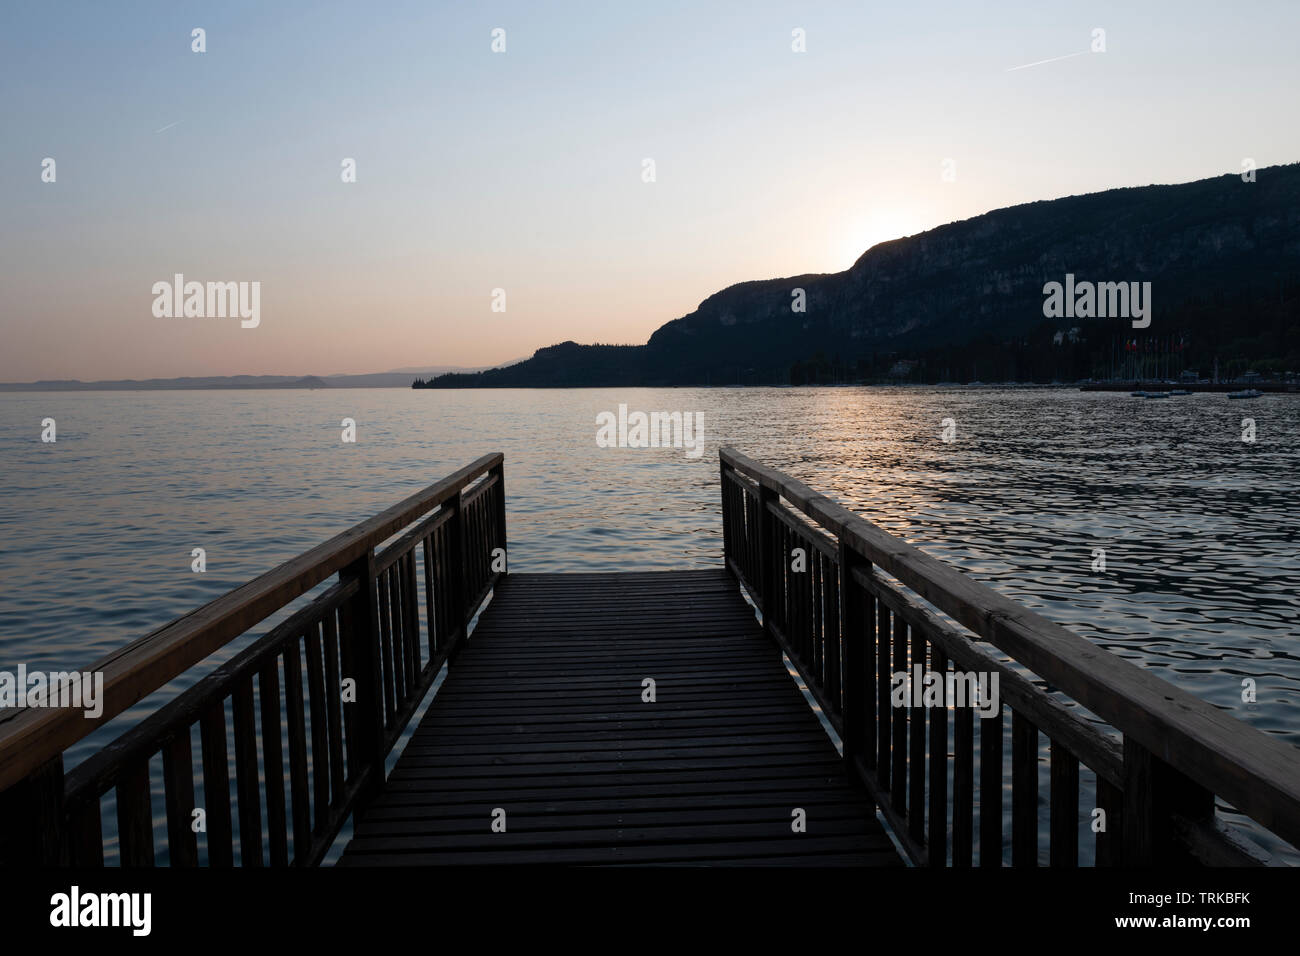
(1199, 527)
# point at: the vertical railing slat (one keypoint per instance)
(832, 586)
(916, 758)
(320, 760)
(178, 796)
(854, 610)
(815, 622)
(333, 696)
(884, 665)
(413, 644)
(216, 785)
(898, 776)
(454, 566)
(963, 786)
(247, 775)
(766, 573)
(1109, 838)
(430, 609)
(1024, 791)
(991, 729)
(1063, 823)
(389, 678)
(32, 818)
(297, 754)
(135, 815)
(86, 835)
(268, 688)
(501, 539)
(938, 840)
(365, 711)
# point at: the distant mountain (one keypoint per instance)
(439, 369)
(966, 300)
(397, 378)
(200, 382)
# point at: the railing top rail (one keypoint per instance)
(1257, 773)
(31, 736)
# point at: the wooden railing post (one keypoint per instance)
(32, 817)
(858, 690)
(1154, 794)
(361, 626)
(727, 556)
(767, 560)
(500, 473)
(459, 597)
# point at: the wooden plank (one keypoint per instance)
(867, 853)
(549, 810)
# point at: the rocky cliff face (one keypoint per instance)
(987, 273)
(984, 276)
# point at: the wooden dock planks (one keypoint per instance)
(542, 717)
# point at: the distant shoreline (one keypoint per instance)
(218, 383)
(948, 386)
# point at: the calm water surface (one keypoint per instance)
(1199, 528)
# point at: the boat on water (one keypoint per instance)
(1248, 393)
(1159, 394)
(1137, 394)
(1180, 391)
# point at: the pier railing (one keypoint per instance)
(331, 688)
(861, 605)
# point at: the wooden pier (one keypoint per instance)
(546, 718)
(645, 718)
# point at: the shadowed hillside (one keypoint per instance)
(965, 300)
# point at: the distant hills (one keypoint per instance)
(965, 301)
(397, 378)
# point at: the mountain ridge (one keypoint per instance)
(976, 286)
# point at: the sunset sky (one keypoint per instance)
(522, 170)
